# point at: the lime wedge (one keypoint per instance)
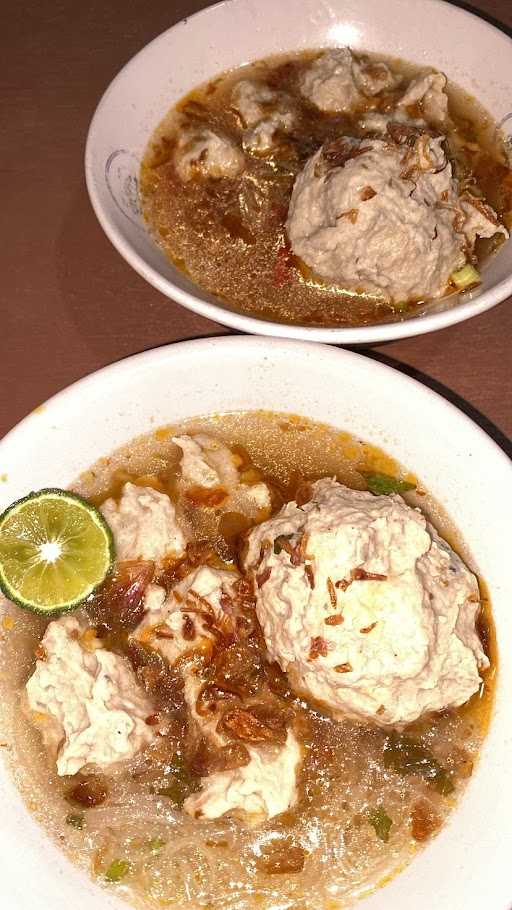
(55, 549)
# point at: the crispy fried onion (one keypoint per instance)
(256, 724)
(403, 133)
(336, 153)
(418, 159)
(359, 574)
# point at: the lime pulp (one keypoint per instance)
(55, 550)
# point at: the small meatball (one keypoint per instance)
(429, 92)
(408, 642)
(203, 153)
(264, 112)
(86, 701)
(144, 525)
(329, 82)
(253, 101)
(260, 790)
(337, 82)
(262, 138)
(372, 78)
(208, 464)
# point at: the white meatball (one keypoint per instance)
(86, 701)
(381, 216)
(203, 153)
(208, 463)
(429, 92)
(369, 612)
(144, 524)
(338, 82)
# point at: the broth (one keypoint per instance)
(348, 790)
(228, 235)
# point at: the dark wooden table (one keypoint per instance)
(70, 304)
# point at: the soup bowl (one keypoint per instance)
(467, 864)
(230, 34)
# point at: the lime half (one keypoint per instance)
(55, 549)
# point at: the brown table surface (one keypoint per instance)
(70, 304)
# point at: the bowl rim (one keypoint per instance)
(100, 377)
(231, 318)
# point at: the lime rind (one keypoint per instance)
(70, 577)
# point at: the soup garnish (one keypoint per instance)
(56, 549)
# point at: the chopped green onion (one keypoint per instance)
(156, 844)
(407, 756)
(75, 820)
(180, 768)
(401, 305)
(384, 484)
(381, 822)
(466, 277)
(176, 791)
(117, 870)
(180, 783)
(280, 541)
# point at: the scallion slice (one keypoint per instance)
(466, 277)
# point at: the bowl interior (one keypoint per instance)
(427, 32)
(458, 463)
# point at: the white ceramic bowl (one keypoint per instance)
(468, 864)
(470, 51)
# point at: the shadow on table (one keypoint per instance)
(475, 415)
